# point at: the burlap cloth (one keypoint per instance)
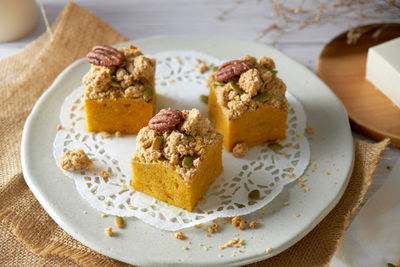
(29, 237)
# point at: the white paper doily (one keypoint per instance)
(179, 85)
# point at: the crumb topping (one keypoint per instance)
(133, 78)
(240, 150)
(252, 224)
(179, 235)
(108, 231)
(182, 148)
(119, 222)
(104, 174)
(75, 159)
(254, 88)
(239, 223)
(213, 228)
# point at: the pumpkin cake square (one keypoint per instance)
(178, 155)
(247, 102)
(119, 93)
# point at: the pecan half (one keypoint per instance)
(104, 55)
(166, 120)
(231, 69)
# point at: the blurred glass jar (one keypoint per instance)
(18, 18)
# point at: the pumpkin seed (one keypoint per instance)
(255, 194)
(114, 84)
(190, 138)
(236, 88)
(273, 71)
(158, 142)
(261, 97)
(119, 222)
(214, 69)
(148, 94)
(204, 99)
(187, 161)
(218, 83)
(275, 146)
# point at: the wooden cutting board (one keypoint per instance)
(342, 67)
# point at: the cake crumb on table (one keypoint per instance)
(118, 134)
(104, 174)
(240, 150)
(59, 127)
(179, 235)
(239, 223)
(103, 215)
(268, 250)
(185, 248)
(75, 159)
(108, 231)
(296, 215)
(286, 203)
(252, 224)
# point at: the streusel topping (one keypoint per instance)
(133, 78)
(75, 159)
(254, 88)
(182, 148)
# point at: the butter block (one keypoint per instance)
(383, 69)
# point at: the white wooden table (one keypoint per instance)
(223, 18)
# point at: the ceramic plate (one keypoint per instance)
(332, 153)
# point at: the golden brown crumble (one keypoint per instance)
(104, 174)
(254, 88)
(231, 242)
(128, 80)
(170, 147)
(118, 134)
(185, 248)
(239, 223)
(103, 215)
(179, 235)
(59, 127)
(286, 203)
(75, 159)
(105, 135)
(213, 228)
(252, 224)
(240, 150)
(119, 222)
(203, 67)
(309, 129)
(108, 231)
(268, 250)
(296, 215)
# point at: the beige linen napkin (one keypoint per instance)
(28, 236)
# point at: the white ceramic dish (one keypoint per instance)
(140, 244)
